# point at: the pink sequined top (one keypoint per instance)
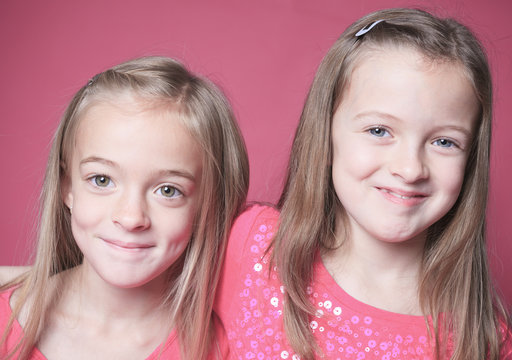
(250, 304)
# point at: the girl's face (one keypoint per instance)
(401, 138)
(133, 186)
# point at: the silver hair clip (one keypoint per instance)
(368, 28)
(94, 78)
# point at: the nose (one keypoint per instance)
(409, 164)
(130, 212)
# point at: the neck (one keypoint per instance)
(104, 302)
(379, 273)
(92, 317)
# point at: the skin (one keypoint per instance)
(127, 180)
(8, 273)
(400, 138)
(133, 190)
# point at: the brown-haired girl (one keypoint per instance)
(147, 171)
(378, 249)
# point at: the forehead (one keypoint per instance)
(379, 55)
(403, 80)
(126, 105)
(124, 130)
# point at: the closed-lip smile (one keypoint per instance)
(127, 245)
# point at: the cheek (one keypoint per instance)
(353, 161)
(87, 210)
(90, 217)
(84, 222)
(453, 187)
(450, 182)
(175, 229)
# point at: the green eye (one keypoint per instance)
(101, 180)
(169, 191)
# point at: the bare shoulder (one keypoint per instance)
(8, 273)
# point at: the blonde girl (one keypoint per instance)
(378, 251)
(146, 172)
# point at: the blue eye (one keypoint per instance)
(378, 131)
(169, 191)
(444, 143)
(101, 180)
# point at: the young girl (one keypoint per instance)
(378, 251)
(146, 173)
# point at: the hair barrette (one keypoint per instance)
(368, 28)
(93, 79)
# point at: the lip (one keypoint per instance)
(128, 246)
(403, 197)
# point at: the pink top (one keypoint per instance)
(250, 303)
(170, 350)
(16, 332)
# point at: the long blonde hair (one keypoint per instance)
(454, 275)
(224, 183)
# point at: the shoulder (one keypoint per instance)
(241, 250)
(5, 307)
(256, 212)
(9, 273)
(254, 215)
(247, 225)
(170, 349)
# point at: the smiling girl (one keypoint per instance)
(378, 251)
(146, 173)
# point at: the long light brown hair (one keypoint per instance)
(224, 183)
(454, 276)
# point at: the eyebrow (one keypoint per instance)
(460, 129)
(376, 113)
(161, 173)
(179, 173)
(391, 117)
(93, 159)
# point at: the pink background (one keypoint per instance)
(263, 54)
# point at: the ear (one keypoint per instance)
(65, 187)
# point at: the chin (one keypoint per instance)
(131, 282)
(402, 237)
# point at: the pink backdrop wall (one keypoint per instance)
(262, 53)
